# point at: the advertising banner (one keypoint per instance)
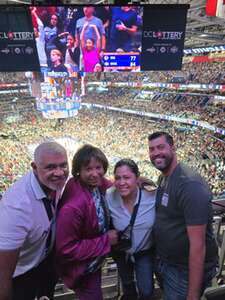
(67, 40)
(163, 37)
(17, 42)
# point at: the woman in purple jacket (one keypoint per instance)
(82, 232)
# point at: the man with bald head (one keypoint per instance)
(27, 226)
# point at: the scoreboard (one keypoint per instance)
(126, 61)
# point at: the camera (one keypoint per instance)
(124, 242)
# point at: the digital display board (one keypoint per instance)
(17, 44)
(59, 98)
(121, 61)
(93, 38)
(88, 38)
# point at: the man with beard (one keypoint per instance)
(185, 247)
(27, 226)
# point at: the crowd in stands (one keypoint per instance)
(192, 72)
(13, 77)
(14, 102)
(117, 134)
(200, 108)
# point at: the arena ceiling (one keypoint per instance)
(201, 30)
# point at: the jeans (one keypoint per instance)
(174, 280)
(140, 269)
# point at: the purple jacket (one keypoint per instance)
(78, 240)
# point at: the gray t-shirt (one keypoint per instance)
(90, 32)
(185, 200)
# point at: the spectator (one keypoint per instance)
(40, 38)
(72, 56)
(123, 28)
(90, 33)
(90, 52)
(127, 202)
(56, 59)
(82, 224)
(51, 32)
(27, 222)
(183, 215)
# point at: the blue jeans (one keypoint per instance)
(140, 269)
(174, 280)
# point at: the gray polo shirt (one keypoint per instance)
(142, 230)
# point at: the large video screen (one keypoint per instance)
(64, 40)
(88, 38)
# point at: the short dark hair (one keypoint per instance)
(83, 157)
(158, 134)
(91, 39)
(130, 164)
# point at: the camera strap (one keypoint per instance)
(134, 214)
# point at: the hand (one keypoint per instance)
(113, 237)
(34, 9)
(101, 54)
(146, 183)
(121, 27)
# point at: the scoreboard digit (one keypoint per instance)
(114, 61)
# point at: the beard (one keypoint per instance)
(162, 162)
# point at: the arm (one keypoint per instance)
(12, 236)
(132, 30)
(103, 42)
(194, 198)
(196, 236)
(106, 24)
(8, 260)
(69, 241)
(98, 43)
(82, 41)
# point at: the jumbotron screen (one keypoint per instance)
(70, 39)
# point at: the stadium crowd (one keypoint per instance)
(18, 77)
(117, 134)
(198, 107)
(192, 72)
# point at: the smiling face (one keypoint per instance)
(51, 170)
(125, 181)
(162, 154)
(89, 44)
(92, 174)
